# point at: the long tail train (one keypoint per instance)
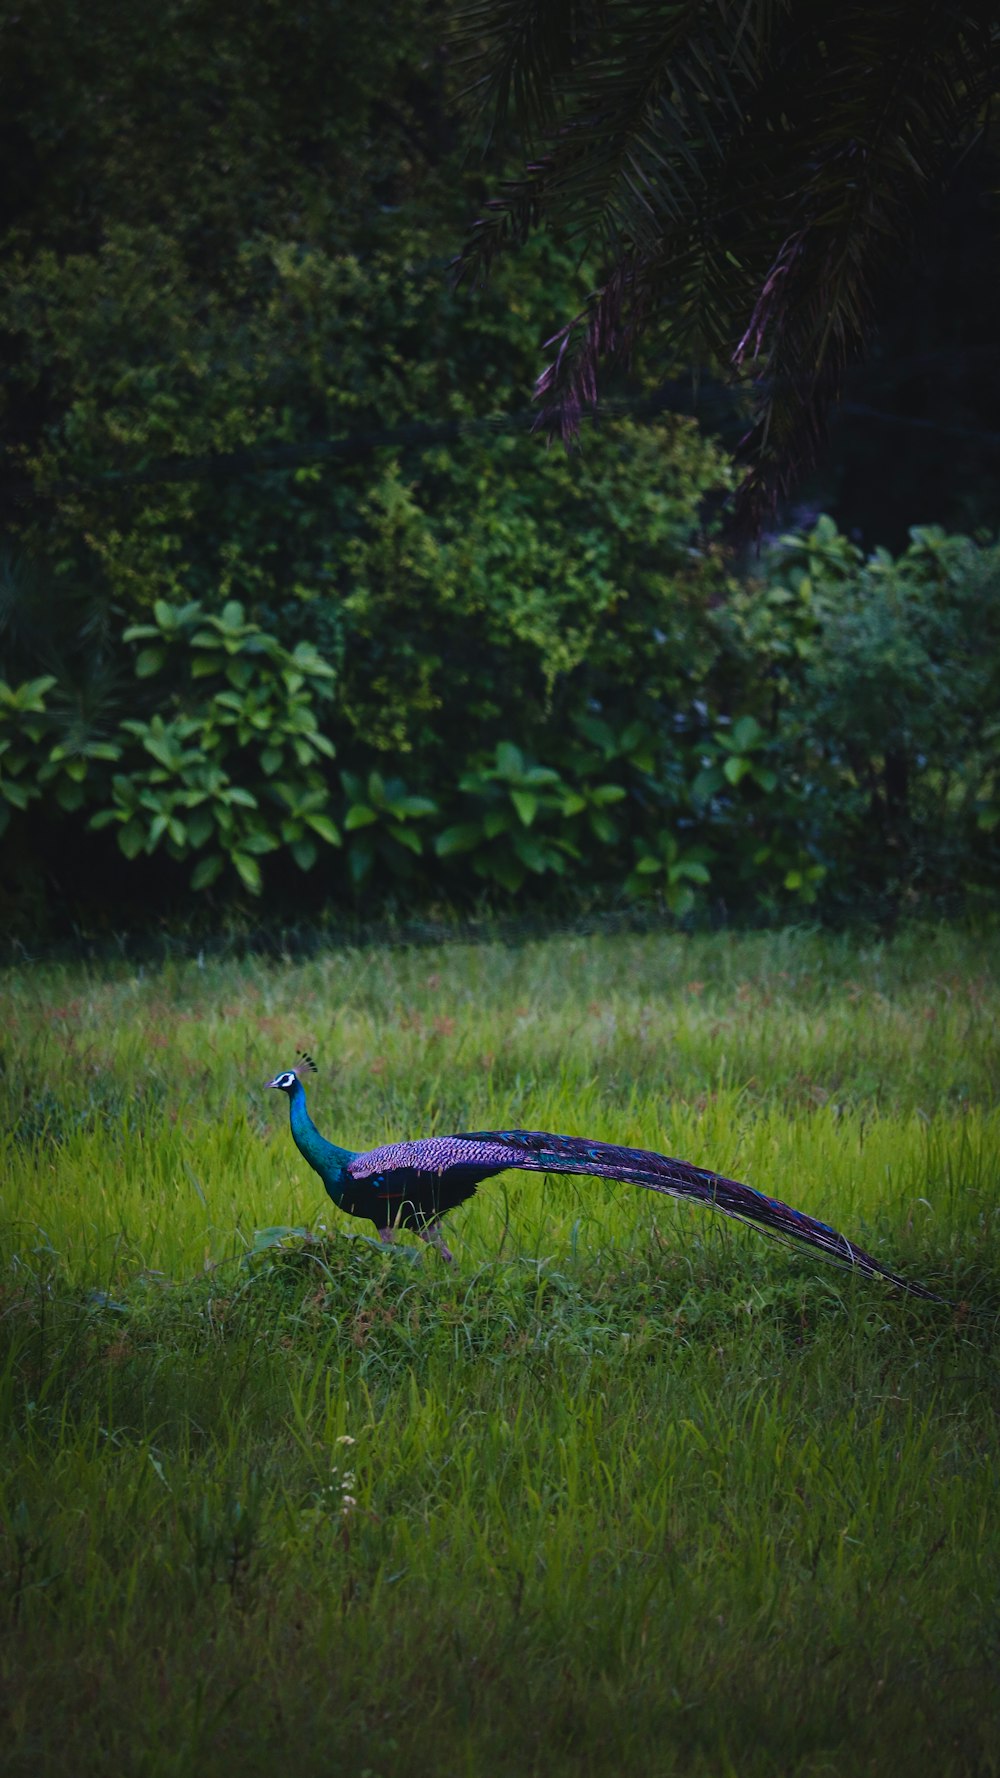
(542, 1153)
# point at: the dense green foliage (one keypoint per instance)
(825, 733)
(407, 676)
(882, 726)
(631, 1489)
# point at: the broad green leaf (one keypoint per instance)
(207, 870)
(679, 900)
(360, 859)
(165, 752)
(249, 871)
(636, 884)
(526, 805)
(745, 734)
(532, 852)
(258, 840)
(603, 828)
(458, 839)
(131, 839)
(504, 869)
(406, 836)
(510, 759)
(327, 829)
(708, 781)
(273, 1237)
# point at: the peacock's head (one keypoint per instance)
(292, 1077)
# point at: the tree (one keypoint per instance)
(747, 172)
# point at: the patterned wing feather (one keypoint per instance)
(435, 1155)
(414, 1183)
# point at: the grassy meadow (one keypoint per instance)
(629, 1489)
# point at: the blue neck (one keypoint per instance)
(328, 1161)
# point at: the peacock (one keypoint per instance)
(411, 1185)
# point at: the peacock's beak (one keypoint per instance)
(273, 1083)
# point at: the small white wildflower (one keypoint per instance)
(346, 1439)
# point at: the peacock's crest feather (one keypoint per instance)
(290, 1079)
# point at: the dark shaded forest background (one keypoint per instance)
(295, 611)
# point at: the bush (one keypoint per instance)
(882, 699)
(833, 735)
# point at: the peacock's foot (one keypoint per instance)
(434, 1238)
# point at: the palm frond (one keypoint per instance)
(880, 153)
(514, 53)
(746, 173)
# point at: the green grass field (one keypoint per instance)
(628, 1490)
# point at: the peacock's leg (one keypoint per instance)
(432, 1234)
